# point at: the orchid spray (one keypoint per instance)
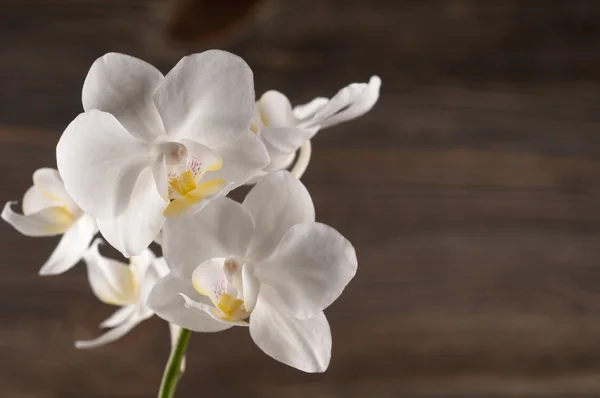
(152, 159)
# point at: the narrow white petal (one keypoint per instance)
(112, 335)
(166, 301)
(302, 344)
(308, 110)
(310, 268)
(123, 86)
(207, 97)
(119, 317)
(49, 183)
(111, 281)
(134, 230)
(282, 144)
(46, 222)
(276, 203)
(350, 102)
(243, 159)
(100, 162)
(222, 229)
(34, 200)
(71, 247)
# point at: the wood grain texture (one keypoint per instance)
(471, 193)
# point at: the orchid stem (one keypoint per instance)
(303, 160)
(173, 370)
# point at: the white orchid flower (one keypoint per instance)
(49, 211)
(284, 129)
(266, 260)
(145, 139)
(124, 285)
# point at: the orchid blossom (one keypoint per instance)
(124, 285)
(49, 211)
(265, 264)
(150, 146)
(284, 130)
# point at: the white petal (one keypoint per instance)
(119, 317)
(112, 335)
(285, 139)
(134, 230)
(100, 162)
(166, 301)
(152, 275)
(310, 268)
(243, 159)
(276, 203)
(302, 344)
(123, 86)
(275, 110)
(141, 263)
(34, 200)
(47, 222)
(111, 281)
(49, 183)
(222, 229)
(357, 99)
(308, 110)
(71, 247)
(207, 97)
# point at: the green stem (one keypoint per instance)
(173, 372)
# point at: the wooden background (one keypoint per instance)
(471, 193)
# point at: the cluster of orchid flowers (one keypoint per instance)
(152, 159)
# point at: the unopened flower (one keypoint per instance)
(49, 211)
(150, 146)
(123, 285)
(284, 129)
(265, 264)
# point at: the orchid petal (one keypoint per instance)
(112, 335)
(100, 162)
(134, 230)
(120, 316)
(222, 229)
(34, 200)
(310, 268)
(123, 86)
(243, 159)
(302, 344)
(350, 102)
(276, 203)
(207, 97)
(71, 247)
(111, 281)
(46, 222)
(166, 301)
(49, 183)
(308, 110)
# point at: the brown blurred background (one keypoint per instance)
(471, 192)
